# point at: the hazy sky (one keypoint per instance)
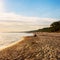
(28, 12)
(36, 8)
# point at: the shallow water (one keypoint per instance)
(9, 38)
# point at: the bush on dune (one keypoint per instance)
(54, 27)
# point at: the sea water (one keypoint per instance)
(9, 38)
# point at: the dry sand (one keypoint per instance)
(45, 46)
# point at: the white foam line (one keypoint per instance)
(3, 47)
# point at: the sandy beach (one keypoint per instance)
(43, 46)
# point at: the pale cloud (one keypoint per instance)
(23, 20)
(10, 21)
(28, 20)
(1, 5)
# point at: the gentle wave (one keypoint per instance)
(9, 38)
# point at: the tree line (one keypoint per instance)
(54, 27)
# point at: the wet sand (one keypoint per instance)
(43, 46)
(11, 44)
(9, 39)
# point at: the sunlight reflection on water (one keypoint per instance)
(9, 38)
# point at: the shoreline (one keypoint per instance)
(45, 46)
(12, 44)
(22, 39)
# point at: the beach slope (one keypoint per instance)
(43, 46)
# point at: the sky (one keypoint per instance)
(28, 13)
(35, 8)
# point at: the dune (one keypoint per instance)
(43, 46)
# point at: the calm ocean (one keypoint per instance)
(9, 38)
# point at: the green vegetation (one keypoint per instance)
(54, 27)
